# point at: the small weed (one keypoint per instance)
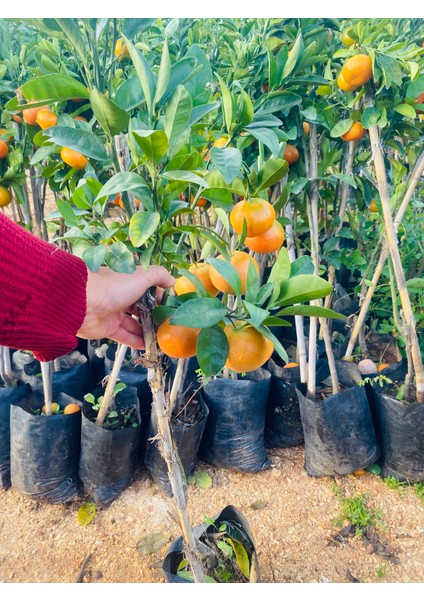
(358, 513)
(419, 490)
(381, 570)
(394, 484)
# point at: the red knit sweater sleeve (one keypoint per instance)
(42, 293)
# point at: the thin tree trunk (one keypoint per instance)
(108, 396)
(47, 377)
(392, 242)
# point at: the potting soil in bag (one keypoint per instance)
(7, 396)
(45, 450)
(338, 432)
(400, 433)
(283, 425)
(109, 457)
(187, 430)
(234, 433)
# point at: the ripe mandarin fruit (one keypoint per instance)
(4, 149)
(4, 132)
(373, 206)
(5, 196)
(259, 215)
(306, 128)
(30, 114)
(79, 118)
(343, 85)
(240, 261)
(382, 366)
(291, 154)
(419, 100)
(177, 341)
(221, 142)
(73, 158)
(121, 49)
(55, 408)
(356, 132)
(248, 349)
(200, 201)
(183, 285)
(291, 365)
(46, 118)
(270, 241)
(17, 118)
(71, 408)
(357, 70)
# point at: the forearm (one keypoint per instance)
(42, 294)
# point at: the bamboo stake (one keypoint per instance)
(161, 413)
(111, 382)
(47, 377)
(312, 208)
(392, 243)
(414, 179)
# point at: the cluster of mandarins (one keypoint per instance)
(356, 72)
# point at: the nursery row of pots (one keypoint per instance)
(229, 423)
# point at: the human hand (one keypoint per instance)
(111, 299)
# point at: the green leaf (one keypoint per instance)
(119, 258)
(199, 312)
(200, 288)
(143, 225)
(198, 112)
(278, 102)
(93, 256)
(134, 26)
(229, 273)
(268, 137)
(417, 283)
(406, 110)
(228, 161)
(180, 73)
(201, 75)
(67, 213)
(212, 350)
(71, 29)
(82, 141)
(311, 311)
(54, 88)
(110, 116)
(185, 176)
(295, 54)
(257, 315)
(341, 127)
(227, 103)
(215, 179)
(302, 288)
(86, 513)
(246, 113)
(252, 283)
(144, 73)
(276, 322)
(272, 171)
(124, 182)
(281, 269)
(202, 479)
(278, 347)
(154, 144)
(241, 557)
(370, 117)
(177, 114)
(129, 95)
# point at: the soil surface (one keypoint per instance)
(293, 518)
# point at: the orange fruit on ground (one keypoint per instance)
(270, 241)
(359, 472)
(291, 154)
(177, 341)
(4, 149)
(356, 132)
(71, 408)
(55, 408)
(240, 261)
(382, 366)
(30, 114)
(73, 158)
(291, 365)
(343, 85)
(46, 118)
(357, 70)
(259, 215)
(121, 49)
(248, 349)
(373, 206)
(306, 128)
(183, 285)
(5, 196)
(17, 118)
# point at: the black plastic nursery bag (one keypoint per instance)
(8, 395)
